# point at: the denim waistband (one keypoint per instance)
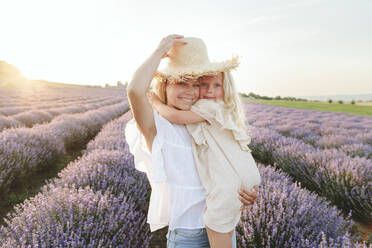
(198, 237)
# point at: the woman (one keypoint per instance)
(163, 150)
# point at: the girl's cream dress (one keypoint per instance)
(224, 163)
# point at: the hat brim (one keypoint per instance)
(212, 68)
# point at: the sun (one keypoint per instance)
(11, 76)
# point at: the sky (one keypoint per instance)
(286, 47)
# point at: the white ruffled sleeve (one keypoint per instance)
(150, 163)
(215, 113)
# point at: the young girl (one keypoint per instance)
(220, 146)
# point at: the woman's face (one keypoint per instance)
(181, 95)
(211, 87)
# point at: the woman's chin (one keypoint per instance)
(183, 106)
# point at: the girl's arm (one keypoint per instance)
(174, 115)
(136, 90)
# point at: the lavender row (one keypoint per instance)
(107, 206)
(10, 97)
(13, 110)
(32, 117)
(286, 215)
(350, 134)
(19, 102)
(25, 150)
(67, 217)
(346, 144)
(345, 181)
(329, 122)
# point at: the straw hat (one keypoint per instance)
(192, 61)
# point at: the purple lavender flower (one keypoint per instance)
(286, 215)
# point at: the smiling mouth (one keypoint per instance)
(190, 100)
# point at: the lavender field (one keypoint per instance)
(27, 107)
(316, 169)
(329, 153)
(25, 149)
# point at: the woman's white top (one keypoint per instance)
(177, 195)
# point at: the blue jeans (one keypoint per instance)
(190, 238)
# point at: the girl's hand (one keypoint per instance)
(168, 42)
(247, 197)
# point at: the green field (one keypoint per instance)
(323, 106)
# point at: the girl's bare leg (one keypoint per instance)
(219, 240)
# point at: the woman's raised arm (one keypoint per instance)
(137, 88)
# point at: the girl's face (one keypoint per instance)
(211, 87)
(181, 95)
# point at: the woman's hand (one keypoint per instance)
(167, 42)
(247, 197)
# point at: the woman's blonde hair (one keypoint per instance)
(231, 97)
(158, 86)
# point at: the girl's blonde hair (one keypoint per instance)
(231, 97)
(232, 100)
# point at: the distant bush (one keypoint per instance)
(340, 101)
(330, 101)
(353, 102)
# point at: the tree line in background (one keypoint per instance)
(252, 95)
(256, 96)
